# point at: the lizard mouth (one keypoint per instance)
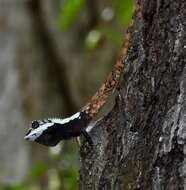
(26, 136)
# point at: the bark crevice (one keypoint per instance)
(143, 144)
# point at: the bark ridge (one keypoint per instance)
(140, 144)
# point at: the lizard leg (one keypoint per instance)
(87, 137)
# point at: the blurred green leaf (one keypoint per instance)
(112, 35)
(14, 187)
(38, 169)
(69, 178)
(92, 39)
(68, 14)
(124, 11)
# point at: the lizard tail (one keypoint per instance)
(111, 83)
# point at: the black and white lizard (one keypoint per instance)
(50, 132)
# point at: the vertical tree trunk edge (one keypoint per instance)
(140, 144)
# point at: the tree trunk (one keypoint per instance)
(140, 144)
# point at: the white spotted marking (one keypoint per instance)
(45, 124)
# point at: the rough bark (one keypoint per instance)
(140, 144)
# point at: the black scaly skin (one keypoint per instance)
(57, 132)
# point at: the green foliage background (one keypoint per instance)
(62, 168)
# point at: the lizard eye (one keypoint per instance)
(35, 124)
